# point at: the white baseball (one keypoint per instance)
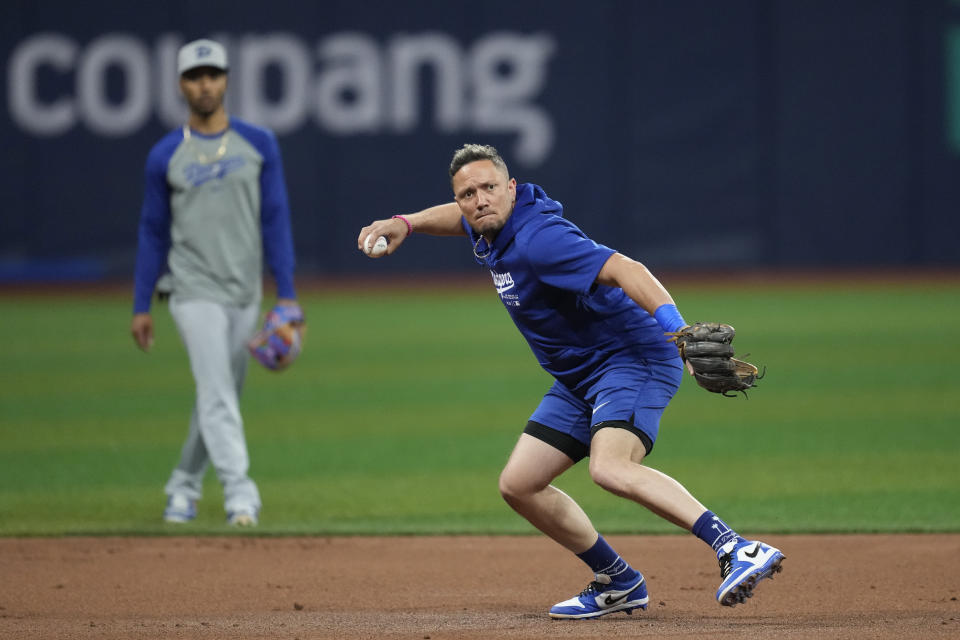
(379, 247)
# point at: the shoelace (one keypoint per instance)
(726, 564)
(592, 588)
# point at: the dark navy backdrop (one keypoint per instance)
(793, 133)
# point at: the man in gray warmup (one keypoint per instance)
(214, 206)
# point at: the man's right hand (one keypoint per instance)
(141, 328)
(393, 229)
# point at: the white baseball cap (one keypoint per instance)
(201, 53)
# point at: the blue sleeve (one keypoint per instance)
(275, 220)
(153, 243)
(562, 256)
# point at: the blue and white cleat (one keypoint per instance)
(742, 566)
(180, 509)
(602, 596)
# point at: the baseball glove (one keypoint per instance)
(278, 343)
(706, 346)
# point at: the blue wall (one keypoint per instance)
(781, 133)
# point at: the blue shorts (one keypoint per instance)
(632, 396)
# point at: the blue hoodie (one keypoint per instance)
(545, 270)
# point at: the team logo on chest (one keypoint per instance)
(504, 283)
(197, 174)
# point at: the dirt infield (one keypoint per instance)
(445, 588)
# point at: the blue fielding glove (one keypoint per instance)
(280, 340)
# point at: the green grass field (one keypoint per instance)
(405, 404)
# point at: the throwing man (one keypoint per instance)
(214, 204)
(595, 319)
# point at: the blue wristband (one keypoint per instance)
(669, 318)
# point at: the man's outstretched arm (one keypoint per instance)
(439, 220)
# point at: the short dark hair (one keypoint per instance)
(471, 153)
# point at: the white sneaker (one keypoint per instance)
(180, 509)
(242, 518)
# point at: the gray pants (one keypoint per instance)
(215, 336)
